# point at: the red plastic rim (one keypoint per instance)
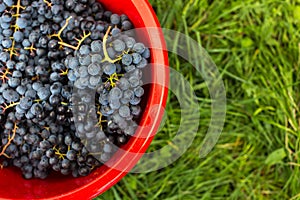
(13, 186)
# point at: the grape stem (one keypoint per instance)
(58, 34)
(12, 50)
(100, 120)
(80, 41)
(5, 107)
(10, 139)
(106, 56)
(48, 3)
(31, 48)
(4, 75)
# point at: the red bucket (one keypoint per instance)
(13, 186)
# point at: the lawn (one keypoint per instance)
(256, 47)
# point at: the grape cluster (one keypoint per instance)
(67, 102)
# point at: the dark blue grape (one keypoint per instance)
(136, 58)
(71, 75)
(56, 88)
(115, 93)
(96, 46)
(8, 2)
(22, 23)
(109, 68)
(126, 25)
(97, 58)
(85, 60)
(13, 82)
(7, 32)
(4, 56)
(146, 53)
(139, 47)
(126, 59)
(6, 17)
(6, 43)
(25, 103)
(130, 42)
(26, 43)
(30, 93)
(2, 7)
(142, 64)
(139, 91)
(84, 50)
(36, 109)
(94, 69)
(118, 45)
(73, 63)
(94, 81)
(10, 64)
(115, 19)
(5, 25)
(43, 93)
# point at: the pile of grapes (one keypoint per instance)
(70, 85)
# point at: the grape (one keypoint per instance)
(56, 9)
(123, 84)
(124, 111)
(130, 42)
(126, 59)
(107, 148)
(22, 22)
(135, 101)
(71, 155)
(139, 47)
(84, 50)
(6, 17)
(4, 56)
(41, 72)
(109, 68)
(73, 63)
(43, 93)
(97, 58)
(138, 91)
(96, 46)
(115, 93)
(136, 58)
(85, 60)
(118, 45)
(2, 7)
(136, 110)
(21, 90)
(114, 103)
(115, 19)
(7, 32)
(36, 85)
(26, 43)
(10, 64)
(6, 43)
(8, 2)
(115, 31)
(126, 25)
(83, 71)
(5, 25)
(10, 95)
(94, 81)
(56, 88)
(71, 75)
(94, 69)
(134, 81)
(13, 82)
(146, 53)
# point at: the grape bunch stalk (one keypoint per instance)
(71, 85)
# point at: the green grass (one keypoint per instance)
(256, 46)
